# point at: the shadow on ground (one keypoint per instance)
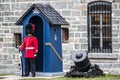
(2, 77)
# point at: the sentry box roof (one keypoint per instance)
(53, 17)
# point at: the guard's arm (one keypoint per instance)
(22, 47)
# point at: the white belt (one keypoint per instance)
(29, 48)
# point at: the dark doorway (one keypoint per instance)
(39, 34)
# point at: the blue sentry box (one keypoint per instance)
(48, 31)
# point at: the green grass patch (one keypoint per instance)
(4, 74)
(106, 77)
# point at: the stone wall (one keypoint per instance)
(75, 12)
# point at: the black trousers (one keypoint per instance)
(30, 66)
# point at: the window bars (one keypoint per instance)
(99, 27)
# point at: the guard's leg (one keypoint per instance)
(27, 67)
(32, 66)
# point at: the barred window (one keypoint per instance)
(99, 27)
(65, 35)
(18, 39)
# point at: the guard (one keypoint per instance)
(30, 45)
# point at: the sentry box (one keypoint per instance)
(48, 32)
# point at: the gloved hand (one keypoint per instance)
(35, 54)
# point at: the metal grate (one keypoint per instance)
(99, 27)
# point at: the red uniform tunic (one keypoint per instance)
(30, 45)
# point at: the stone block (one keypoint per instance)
(2, 35)
(76, 40)
(26, 0)
(64, 51)
(81, 6)
(76, 13)
(5, 1)
(4, 50)
(115, 31)
(16, 30)
(12, 51)
(115, 35)
(14, 19)
(6, 31)
(15, 6)
(0, 57)
(24, 6)
(8, 45)
(70, 5)
(84, 18)
(77, 34)
(71, 34)
(102, 56)
(8, 39)
(77, 46)
(5, 28)
(84, 23)
(5, 57)
(76, 23)
(7, 13)
(117, 1)
(72, 51)
(18, 13)
(83, 40)
(12, 24)
(84, 46)
(116, 46)
(0, 13)
(12, 0)
(115, 51)
(4, 7)
(66, 13)
(66, 67)
(115, 21)
(59, 5)
(115, 6)
(84, 35)
(115, 13)
(95, 60)
(7, 69)
(5, 24)
(83, 1)
(7, 62)
(1, 19)
(115, 40)
(1, 39)
(84, 12)
(82, 28)
(7, 19)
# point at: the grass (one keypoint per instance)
(106, 77)
(2, 76)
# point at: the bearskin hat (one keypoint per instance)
(29, 29)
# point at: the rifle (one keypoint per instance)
(20, 55)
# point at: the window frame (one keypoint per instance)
(65, 35)
(18, 36)
(94, 8)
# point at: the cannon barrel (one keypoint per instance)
(81, 61)
(83, 67)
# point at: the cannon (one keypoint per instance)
(83, 67)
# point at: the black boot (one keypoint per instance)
(33, 74)
(26, 74)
